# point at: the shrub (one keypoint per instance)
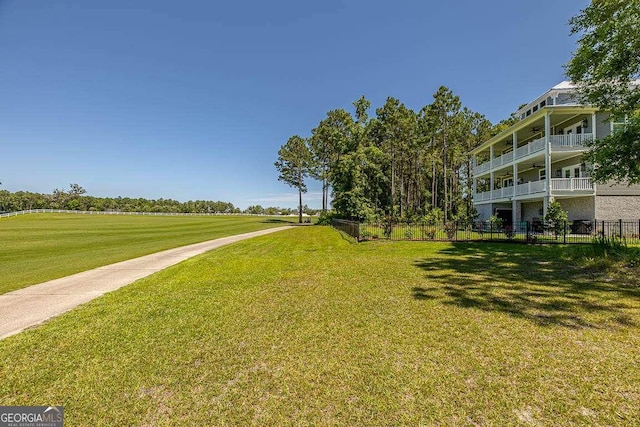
(451, 228)
(433, 217)
(556, 218)
(325, 218)
(496, 222)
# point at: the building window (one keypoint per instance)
(542, 174)
(618, 123)
(573, 171)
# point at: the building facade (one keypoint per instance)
(518, 172)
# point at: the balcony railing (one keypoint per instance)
(502, 160)
(535, 187)
(571, 184)
(502, 193)
(530, 188)
(577, 140)
(530, 148)
(558, 143)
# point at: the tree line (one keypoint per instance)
(76, 199)
(401, 163)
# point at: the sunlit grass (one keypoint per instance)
(39, 247)
(305, 327)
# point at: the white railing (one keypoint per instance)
(482, 168)
(498, 194)
(558, 142)
(577, 140)
(502, 160)
(530, 148)
(525, 150)
(534, 187)
(482, 197)
(571, 184)
(531, 187)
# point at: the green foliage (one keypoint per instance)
(387, 227)
(59, 199)
(326, 217)
(607, 254)
(604, 63)
(616, 157)
(607, 59)
(401, 162)
(496, 222)
(450, 228)
(434, 216)
(429, 232)
(556, 218)
(294, 165)
(328, 140)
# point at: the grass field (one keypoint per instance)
(305, 327)
(40, 247)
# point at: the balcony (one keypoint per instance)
(571, 184)
(530, 148)
(569, 142)
(558, 143)
(532, 187)
(558, 185)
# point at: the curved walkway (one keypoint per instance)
(35, 304)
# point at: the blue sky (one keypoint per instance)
(192, 99)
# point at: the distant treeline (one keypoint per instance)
(76, 199)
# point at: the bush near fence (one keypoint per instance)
(525, 232)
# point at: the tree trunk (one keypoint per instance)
(299, 206)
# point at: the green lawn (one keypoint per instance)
(40, 247)
(305, 327)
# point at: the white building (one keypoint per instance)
(518, 172)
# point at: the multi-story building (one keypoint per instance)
(518, 172)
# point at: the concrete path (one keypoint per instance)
(30, 306)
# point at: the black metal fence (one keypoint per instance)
(524, 232)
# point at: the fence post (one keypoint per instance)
(490, 230)
(564, 232)
(620, 222)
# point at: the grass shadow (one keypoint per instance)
(276, 221)
(526, 282)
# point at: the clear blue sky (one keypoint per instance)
(192, 99)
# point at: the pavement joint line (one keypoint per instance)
(34, 305)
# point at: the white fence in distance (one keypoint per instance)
(32, 211)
